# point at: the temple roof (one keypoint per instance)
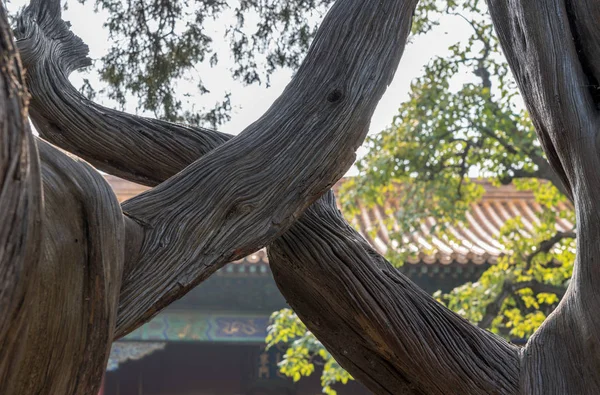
(476, 242)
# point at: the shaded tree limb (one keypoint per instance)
(584, 16)
(74, 293)
(60, 268)
(115, 142)
(493, 309)
(328, 103)
(544, 172)
(20, 208)
(549, 45)
(539, 287)
(383, 329)
(546, 245)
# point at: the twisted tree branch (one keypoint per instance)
(329, 104)
(383, 329)
(20, 209)
(60, 268)
(498, 368)
(142, 150)
(551, 46)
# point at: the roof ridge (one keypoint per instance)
(477, 239)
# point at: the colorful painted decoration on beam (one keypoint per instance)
(130, 351)
(194, 326)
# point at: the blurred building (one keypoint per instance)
(212, 341)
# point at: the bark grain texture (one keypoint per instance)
(553, 48)
(75, 289)
(329, 103)
(217, 198)
(198, 220)
(20, 207)
(152, 173)
(60, 260)
(120, 144)
(387, 332)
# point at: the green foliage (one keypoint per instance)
(463, 122)
(304, 351)
(158, 44)
(449, 131)
(525, 284)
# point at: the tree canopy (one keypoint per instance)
(464, 121)
(157, 45)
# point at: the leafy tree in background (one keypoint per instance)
(157, 44)
(463, 122)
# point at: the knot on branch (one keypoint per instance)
(42, 36)
(335, 96)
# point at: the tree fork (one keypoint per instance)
(389, 378)
(314, 129)
(555, 74)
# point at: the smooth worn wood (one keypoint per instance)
(74, 291)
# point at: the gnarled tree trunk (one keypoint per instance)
(20, 208)
(224, 205)
(101, 271)
(553, 48)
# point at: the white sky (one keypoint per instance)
(250, 102)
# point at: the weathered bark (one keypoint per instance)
(74, 292)
(60, 267)
(312, 131)
(314, 128)
(250, 190)
(553, 47)
(401, 374)
(112, 141)
(20, 207)
(188, 222)
(382, 328)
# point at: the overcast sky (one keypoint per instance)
(250, 102)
